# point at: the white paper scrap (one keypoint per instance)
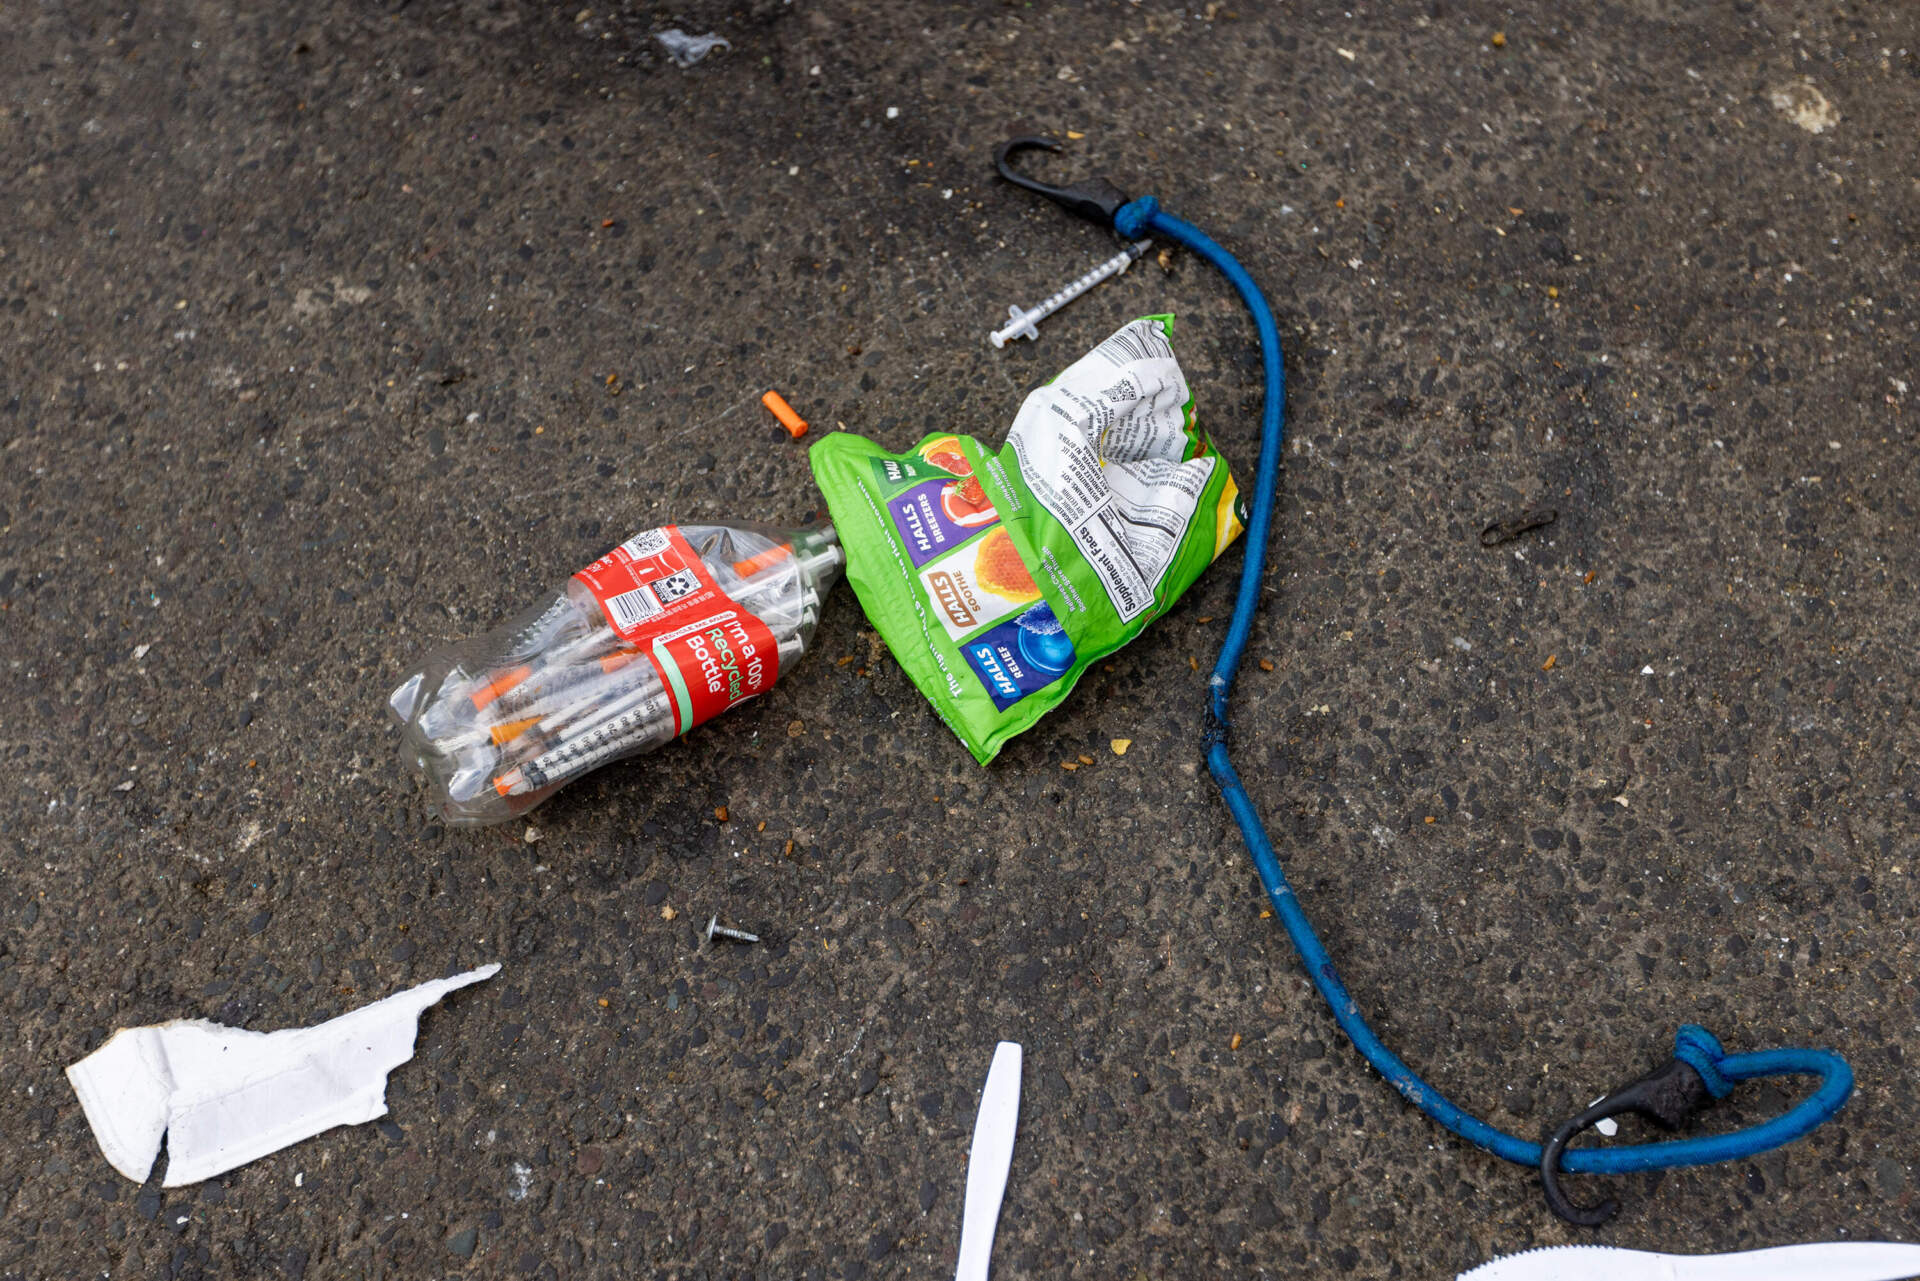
(224, 1096)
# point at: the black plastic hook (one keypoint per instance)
(1666, 1096)
(1096, 200)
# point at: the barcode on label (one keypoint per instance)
(1136, 342)
(630, 608)
(674, 586)
(646, 543)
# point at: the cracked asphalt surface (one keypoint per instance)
(309, 315)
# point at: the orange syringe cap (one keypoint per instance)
(796, 425)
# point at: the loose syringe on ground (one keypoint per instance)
(670, 628)
(1021, 320)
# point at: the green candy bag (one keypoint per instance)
(997, 579)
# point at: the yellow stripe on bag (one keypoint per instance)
(1226, 516)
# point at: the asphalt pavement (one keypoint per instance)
(333, 332)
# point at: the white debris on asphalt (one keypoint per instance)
(685, 49)
(223, 1096)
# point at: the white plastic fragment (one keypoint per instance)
(224, 1096)
(988, 1161)
(685, 49)
(1822, 1261)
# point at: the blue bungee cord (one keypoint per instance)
(1700, 1071)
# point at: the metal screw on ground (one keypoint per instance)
(716, 930)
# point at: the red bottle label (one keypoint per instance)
(661, 598)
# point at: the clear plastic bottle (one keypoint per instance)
(674, 626)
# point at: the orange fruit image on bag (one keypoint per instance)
(964, 502)
(944, 453)
(998, 568)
